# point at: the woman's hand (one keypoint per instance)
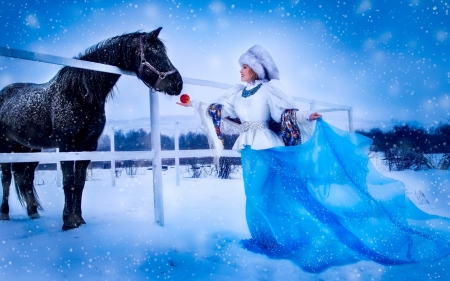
(188, 104)
(314, 116)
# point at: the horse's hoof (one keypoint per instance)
(4, 217)
(80, 221)
(68, 226)
(34, 216)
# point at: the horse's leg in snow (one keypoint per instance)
(69, 219)
(6, 183)
(24, 178)
(80, 179)
(74, 177)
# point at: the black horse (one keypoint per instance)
(68, 113)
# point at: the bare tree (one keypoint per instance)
(403, 157)
(227, 166)
(130, 168)
(444, 163)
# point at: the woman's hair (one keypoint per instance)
(254, 75)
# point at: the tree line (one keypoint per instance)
(402, 147)
(411, 146)
(140, 140)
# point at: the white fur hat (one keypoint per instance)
(262, 63)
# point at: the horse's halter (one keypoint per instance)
(161, 75)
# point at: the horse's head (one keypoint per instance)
(154, 67)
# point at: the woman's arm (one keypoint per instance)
(226, 100)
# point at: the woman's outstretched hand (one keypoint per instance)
(187, 104)
(314, 116)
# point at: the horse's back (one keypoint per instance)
(17, 90)
(24, 107)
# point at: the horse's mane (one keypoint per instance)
(117, 51)
(116, 43)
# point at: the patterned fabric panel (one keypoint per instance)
(290, 133)
(214, 111)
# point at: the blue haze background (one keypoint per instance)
(387, 59)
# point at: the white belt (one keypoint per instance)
(249, 125)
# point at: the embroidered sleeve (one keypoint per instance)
(290, 133)
(215, 112)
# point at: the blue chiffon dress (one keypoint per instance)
(322, 203)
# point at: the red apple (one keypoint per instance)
(184, 98)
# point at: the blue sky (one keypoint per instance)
(387, 59)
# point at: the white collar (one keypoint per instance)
(255, 83)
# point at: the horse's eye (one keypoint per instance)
(153, 50)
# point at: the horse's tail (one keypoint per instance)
(21, 195)
(24, 194)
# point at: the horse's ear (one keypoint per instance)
(155, 33)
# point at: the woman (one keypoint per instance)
(320, 203)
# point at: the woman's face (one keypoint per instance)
(247, 74)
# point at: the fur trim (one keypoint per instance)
(262, 63)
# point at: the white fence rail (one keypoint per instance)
(26, 55)
(156, 155)
(51, 157)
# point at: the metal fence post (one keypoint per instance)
(350, 120)
(58, 172)
(312, 105)
(156, 161)
(177, 154)
(113, 162)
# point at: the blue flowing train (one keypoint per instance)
(322, 203)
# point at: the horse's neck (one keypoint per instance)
(112, 54)
(95, 86)
(106, 81)
(90, 86)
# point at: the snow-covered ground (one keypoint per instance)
(204, 222)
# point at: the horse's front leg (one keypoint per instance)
(6, 183)
(74, 177)
(69, 219)
(80, 179)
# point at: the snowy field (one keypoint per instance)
(204, 222)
